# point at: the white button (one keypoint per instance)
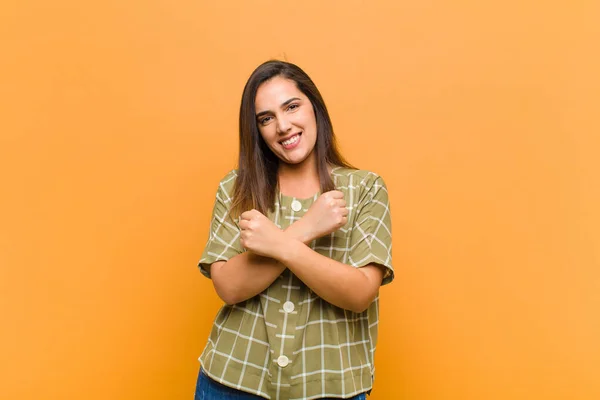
(288, 306)
(283, 361)
(296, 206)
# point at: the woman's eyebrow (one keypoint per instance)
(285, 103)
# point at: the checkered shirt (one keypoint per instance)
(287, 342)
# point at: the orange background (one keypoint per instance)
(119, 118)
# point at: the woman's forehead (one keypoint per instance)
(276, 91)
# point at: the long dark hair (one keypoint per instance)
(256, 183)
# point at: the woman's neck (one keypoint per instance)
(301, 181)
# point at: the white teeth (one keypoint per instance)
(291, 140)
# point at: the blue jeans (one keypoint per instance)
(208, 389)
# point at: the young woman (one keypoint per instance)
(300, 242)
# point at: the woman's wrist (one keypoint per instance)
(301, 231)
(288, 249)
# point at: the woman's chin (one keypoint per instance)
(294, 162)
(297, 159)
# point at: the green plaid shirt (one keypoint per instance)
(287, 342)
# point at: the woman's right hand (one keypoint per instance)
(327, 214)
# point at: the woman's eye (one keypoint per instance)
(264, 120)
(293, 106)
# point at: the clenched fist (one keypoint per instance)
(259, 235)
(327, 214)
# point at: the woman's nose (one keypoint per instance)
(283, 124)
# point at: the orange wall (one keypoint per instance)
(117, 119)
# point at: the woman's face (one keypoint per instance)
(286, 120)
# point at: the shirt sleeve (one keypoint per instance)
(224, 236)
(371, 237)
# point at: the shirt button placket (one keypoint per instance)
(283, 361)
(296, 205)
(288, 307)
(289, 311)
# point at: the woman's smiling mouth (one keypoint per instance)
(292, 142)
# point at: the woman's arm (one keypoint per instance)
(244, 276)
(342, 285)
(248, 274)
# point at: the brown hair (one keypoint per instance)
(256, 183)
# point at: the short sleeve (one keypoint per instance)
(371, 237)
(224, 237)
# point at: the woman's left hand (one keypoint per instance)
(259, 235)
